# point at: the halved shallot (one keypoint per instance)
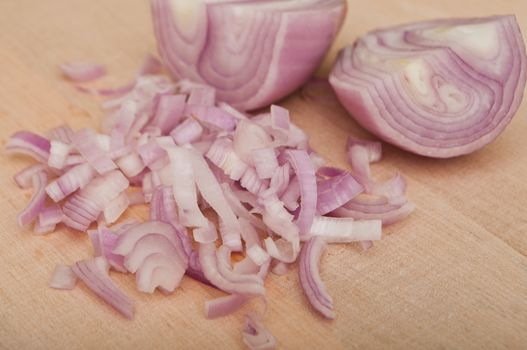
(440, 88)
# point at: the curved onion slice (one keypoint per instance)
(336, 191)
(98, 280)
(24, 177)
(223, 258)
(82, 71)
(310, 277)
(226, 305)
(252, 52)
(85, 206)
(440, 88)
(159, 270)
(209, 264)
(163, 208)
(36, 203)
(375, 209)
(211, 192)
(184, 187)
(28, 143)
(128, 239)
(103, 241)
(305, 173)
(73, 179)
(149, 244)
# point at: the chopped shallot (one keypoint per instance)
(196, 162)
(63, 278)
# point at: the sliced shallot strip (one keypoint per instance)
(98, 280)
(279, 220)
(308, 270)
(149, 244)
(58, 154)
(169, 112)
(63, 277)
(30, 144)
(249, 136)
(86, 143)
(104, 241)
(221, 154)
(36, 203)
(163, 208)
(188, 131)
(209, 264)
(281, 249)
(184, 187)
(128, 239)
(305, 173)
(381, 209)
(161, 271)
(239, 209)
(265, 162)
(223, 256)
(360, 154)
(211, 191)
(339, 230)
(82, 71)
(24, 177)
(224, 306)
(50, 215)
(69, 182)
(336, 191)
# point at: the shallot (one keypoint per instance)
(439, 88)
(196, 162)
(252, 52)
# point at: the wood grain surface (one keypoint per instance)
(452, 276)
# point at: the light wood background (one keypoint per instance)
(453, 275)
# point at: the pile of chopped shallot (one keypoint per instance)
(172, 146)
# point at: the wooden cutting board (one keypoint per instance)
(453, 275)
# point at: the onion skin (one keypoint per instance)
(252, 53)
(431, 88)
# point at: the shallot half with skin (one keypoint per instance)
(195, 161)
(439, 88)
